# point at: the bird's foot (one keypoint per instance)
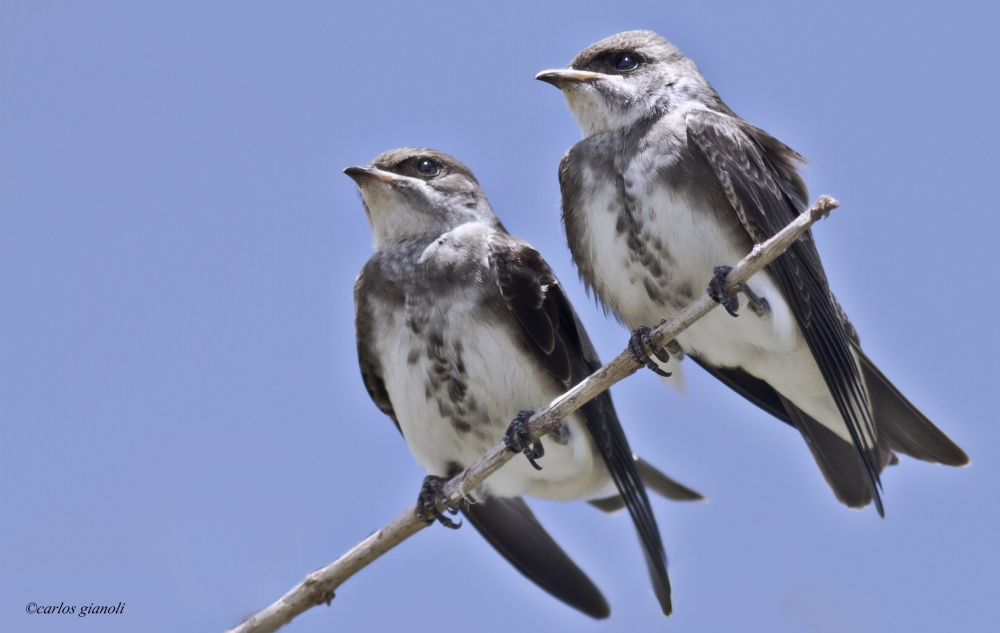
(717, 290)
(758, 304)
(674, 349)
(518, 440)
(432, 503)
(731, 302)
(637, 345)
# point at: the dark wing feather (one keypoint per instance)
(524, 280)
(371, 368)
(758, 175)
(512, 529)
(531, 292)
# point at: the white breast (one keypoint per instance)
(500, 379)
(771, 348)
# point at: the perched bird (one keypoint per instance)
(666, 187)
(461, 328)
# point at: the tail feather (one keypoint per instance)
(837, 459)
(904, 428)
(663, 485)
(900, 427)
(512, 529)
(654, 480)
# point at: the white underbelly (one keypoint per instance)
(771, 347)
(499, 381)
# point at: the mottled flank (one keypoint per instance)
(653, 292)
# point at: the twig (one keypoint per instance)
(318, 587)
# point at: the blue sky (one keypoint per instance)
(184, 426)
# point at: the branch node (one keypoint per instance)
(824, 205)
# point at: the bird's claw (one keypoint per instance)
(731, 302)
(717, 290)
(637, 345)
(432, 503)
(518, 440)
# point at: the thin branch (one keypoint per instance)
(318, 587)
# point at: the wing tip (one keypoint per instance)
(599, 611)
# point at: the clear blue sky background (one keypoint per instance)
(183, 424)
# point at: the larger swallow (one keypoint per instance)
(669, 185)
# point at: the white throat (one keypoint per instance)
(390, 216)
(592, 113)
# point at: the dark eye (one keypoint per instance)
(625, 62)
(428, 167)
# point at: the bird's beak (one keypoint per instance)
(563, 77)
(363, 175)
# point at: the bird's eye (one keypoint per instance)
(428, 167)
(625, 62)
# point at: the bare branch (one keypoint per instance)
(318, 587)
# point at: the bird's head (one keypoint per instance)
(626, 78)
(413, 192)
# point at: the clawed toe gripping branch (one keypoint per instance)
(323, 582)
(637, 344)
(518, 439)
(730, 299)
(432, 503)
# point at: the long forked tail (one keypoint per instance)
(901, 428)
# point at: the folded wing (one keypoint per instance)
(553, 332)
